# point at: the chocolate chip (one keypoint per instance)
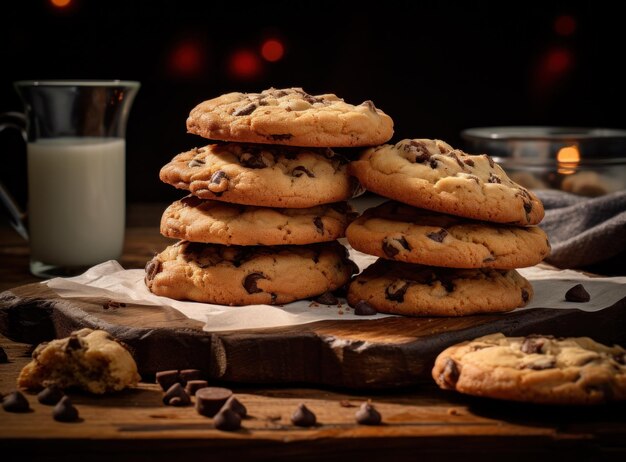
(577, 294)
(64, 411)
(525, 296)
(227, 420)
(533, 345)
(528, 206)
(73, 343)
(176, 391)
(438, 236)
(433, 164)
(152, 269)
(50, 395)
(300, 170)
(469, 162)
(327, 298)
(362, 308)
(393, 245)
(196, 163)
(367, 415)
(490, 160)
(194, 385)
(450, 373)
(319, 224)
(253, 160)
(303, 417)
(250, 281)
(186, 375)
(395, 292)
(245, 110)
(236, 406)
(370, 105)
(493, 178)
(491, 258)
(3, 356)
(167, 378)
(210, 400)
(458, 161)
(418, 150)
(218, 181)
(15, 402)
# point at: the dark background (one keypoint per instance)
(436, 67)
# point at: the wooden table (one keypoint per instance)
(419, 422)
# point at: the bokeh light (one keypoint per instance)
(187, 59)
(565, 25)
(60, 3)
(272, 50)
(244, 64)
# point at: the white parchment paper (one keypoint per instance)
(111, 280)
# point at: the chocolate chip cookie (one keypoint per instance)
(537, 369)
(290, 117)
(267, 176)
(88, 359)
(200, 220)
(431, 174)
(396, 231)
(415, 290)
(236, 275)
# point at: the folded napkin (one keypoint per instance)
(584, 231)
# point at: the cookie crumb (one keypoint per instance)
(453, 411)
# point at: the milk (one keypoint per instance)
(76, 193)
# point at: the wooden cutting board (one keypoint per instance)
(383, 353)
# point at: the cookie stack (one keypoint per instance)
(451, 237)
(267, 202)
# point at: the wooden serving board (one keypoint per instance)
(382, 353)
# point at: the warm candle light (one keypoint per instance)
(60, 3)
(568, 158)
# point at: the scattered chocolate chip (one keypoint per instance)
(210, 400)
(490, 160)
(176, 391)
(303, 417)
(236, 406)
(253, 160)
(245, 110)
(64, 411)
(301, 170)
(418, 150)
(15, 402)
(327, 298)
(456, 158)
(167, 378)
(227, 420)
(186, 375)
(250, 281)
(450, 373)
(152, 269)
(50, 395)
(577, 294)
(218, 181)
(196, 163)
(433, 164)
(3, 356)
(362, 308)
(368, 415)
(493, 178)
(194, 385)
(532, 345)
(528, 206)
(438, 236)
(395, 292)
(525, 296)
(370, 105)
(319, 224)
(469, 162)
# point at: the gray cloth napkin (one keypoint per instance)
(583, 231)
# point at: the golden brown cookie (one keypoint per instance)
(430, 174)
(536, 369)
(267, 176)
(292, 117)
(200, 220)
(88, 359)
(236, 275)
(415, 290)
(397, 231)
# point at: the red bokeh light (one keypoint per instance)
(187, 59)
(565, 25)
(272, 50)
(558, 61)
(60, 3)
(244, 64)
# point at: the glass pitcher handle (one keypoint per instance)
(15, 120)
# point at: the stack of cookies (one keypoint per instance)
(267, 202)
(451, 237)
